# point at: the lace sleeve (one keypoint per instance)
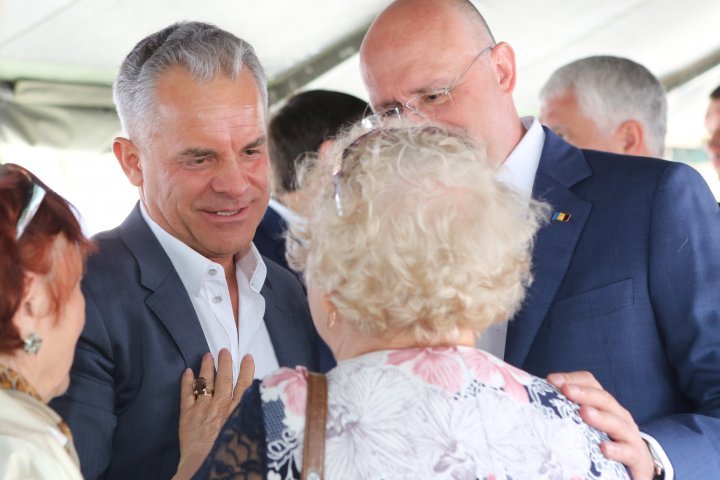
(239, 451)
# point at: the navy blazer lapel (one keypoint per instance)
(561, 166)
(168, 299)
(269, 238)
(290, 340)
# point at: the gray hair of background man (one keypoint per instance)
(612, 90)
(204, 50)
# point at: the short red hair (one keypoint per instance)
(36, 250)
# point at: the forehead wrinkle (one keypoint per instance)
(210, 152)
(230, 116)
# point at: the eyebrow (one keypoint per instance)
(258, 142)
(195, 152)
(198, 152)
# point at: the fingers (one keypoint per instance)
(597, 401)
(616, 424)
(245, 378)
(636, 456)
(599, 409)
(224, 380)
(207, 371)
(207, 368)
(187, 397)
(247, 373)
(584, 379)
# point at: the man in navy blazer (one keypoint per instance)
(302, 129)
(626, 271)
(180, 276)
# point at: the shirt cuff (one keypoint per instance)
(659, 453)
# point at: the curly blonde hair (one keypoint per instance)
(414, 234)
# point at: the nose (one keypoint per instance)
(232, 178)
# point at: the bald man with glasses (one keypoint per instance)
(626, 272)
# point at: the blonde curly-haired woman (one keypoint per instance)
(412, 249)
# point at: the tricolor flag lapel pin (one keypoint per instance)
(561, 217)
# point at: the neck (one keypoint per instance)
(353, 343)
(515, 135)
(14, 377)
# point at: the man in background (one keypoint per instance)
(606, 103)
(301, 131)
(180, 276)
(712, 124)
(626, 271)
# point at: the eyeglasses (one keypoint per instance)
(36, 194)
(34, 198)
(339, 167)
(426, 103)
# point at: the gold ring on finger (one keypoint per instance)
(201, 387)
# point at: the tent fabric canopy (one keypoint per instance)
(58, 59)
(59, 56)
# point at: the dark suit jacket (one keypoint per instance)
(629, 289)
(269, 239)
(141, 332)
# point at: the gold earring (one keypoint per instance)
(331, 319)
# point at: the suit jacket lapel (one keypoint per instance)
(561, 166)
(167, 299)
(291, 343)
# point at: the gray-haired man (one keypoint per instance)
(180, 277)
(606, 103)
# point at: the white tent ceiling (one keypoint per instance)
(83, 41)
(58, 59)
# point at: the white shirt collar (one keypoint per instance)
(287, 214)
(519, 169)
(192, 267)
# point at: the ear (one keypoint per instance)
(631, 137)
(330, 308)
(33, 305)
(503, 57)
(128, 156)
(326, 303)
(324, 149)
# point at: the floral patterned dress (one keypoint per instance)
(447, 413)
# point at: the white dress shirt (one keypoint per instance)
(209, 293)
(286, 213)
(518, 172)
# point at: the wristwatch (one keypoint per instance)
(659, 469)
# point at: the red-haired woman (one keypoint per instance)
(42, 312)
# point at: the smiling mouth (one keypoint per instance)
(227, 213)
